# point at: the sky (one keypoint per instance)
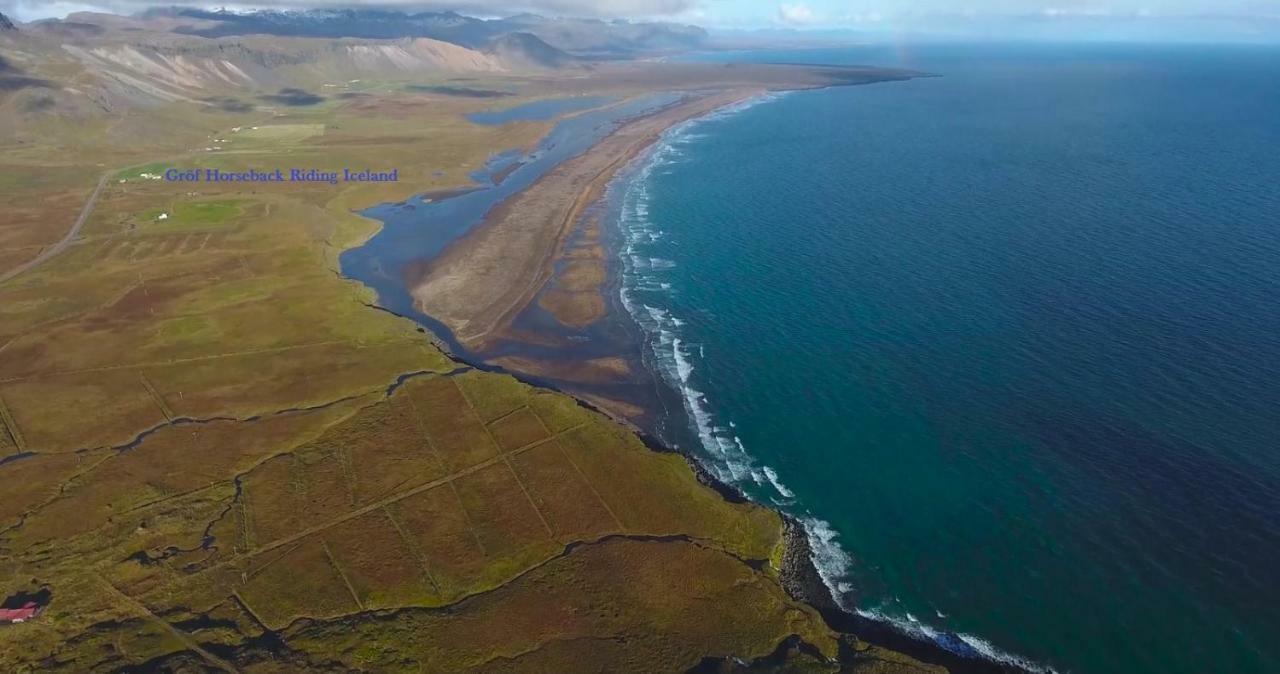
(1251, 20)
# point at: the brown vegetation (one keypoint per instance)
(217, 456)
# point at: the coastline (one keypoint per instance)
(806, 569)
(481, 281)
(798, 572)
(475, 335)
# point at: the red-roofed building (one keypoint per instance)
(17, 615)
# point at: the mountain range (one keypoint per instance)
(92, 62)
(584, 37)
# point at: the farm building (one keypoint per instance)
(17, 615)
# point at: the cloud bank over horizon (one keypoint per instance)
(1088, 19)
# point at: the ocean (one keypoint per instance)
(1007, 340)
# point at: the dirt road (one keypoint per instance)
(66, 240)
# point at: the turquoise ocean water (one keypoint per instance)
(1007, 339)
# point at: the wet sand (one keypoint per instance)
(532, 288)
(484, 280)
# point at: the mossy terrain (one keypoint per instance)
(136, 172)
(189, 216)
(219, 457)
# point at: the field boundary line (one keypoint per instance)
(516, 476)
(333, 561)
(585, 480)
(444, 466)
(179, 634)
(397, 497)
(155, 395)
(249, 609)
(11, 427)
(180, 361)
(414, 548)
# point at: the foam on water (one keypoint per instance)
(835, 566)
(723, 452)
(956, 642)
(777, 484)
(683, 368)
(832, 562)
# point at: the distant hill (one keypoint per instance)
(575, 36)
(609, 39)
(93, 64)
(166, 69)
(528, 50)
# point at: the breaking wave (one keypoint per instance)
(957, 642)
(644, 286)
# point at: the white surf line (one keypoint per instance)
(723, 452)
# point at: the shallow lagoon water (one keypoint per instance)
(537, 111)
(420, 228)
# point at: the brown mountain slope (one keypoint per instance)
(93, 61)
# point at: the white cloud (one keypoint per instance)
(797, 14)
(943, 14)
(28, 10)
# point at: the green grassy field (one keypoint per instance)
(136, 172)
(270, 134)
(215, 452)
(186, 216)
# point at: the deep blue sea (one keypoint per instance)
(1008, 339)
